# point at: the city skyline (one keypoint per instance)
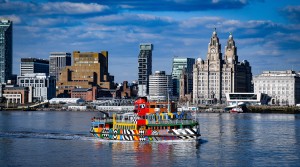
(265, 32)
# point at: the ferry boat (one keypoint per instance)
(150, 121)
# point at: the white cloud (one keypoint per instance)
(33, 8)
(196, 21)
(72, 8)
(16, 19)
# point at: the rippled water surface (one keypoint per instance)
(42, 138)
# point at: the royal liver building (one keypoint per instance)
(214, 77)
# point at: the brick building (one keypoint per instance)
(89, 69)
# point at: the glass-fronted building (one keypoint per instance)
(181, 64)
(5, 50)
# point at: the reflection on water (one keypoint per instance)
(63, 139)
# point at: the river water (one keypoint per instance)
(60, 138)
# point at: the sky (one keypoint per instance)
(266, 32)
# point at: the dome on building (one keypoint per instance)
(230, 36)
(215, 32)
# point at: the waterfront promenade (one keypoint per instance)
(201, 109)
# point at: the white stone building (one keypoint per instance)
(43, 86)
(214, 77)
(282, 86)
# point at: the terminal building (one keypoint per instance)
(234, 99)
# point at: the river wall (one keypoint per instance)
(273, 109)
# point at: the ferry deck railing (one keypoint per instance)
(169, 121)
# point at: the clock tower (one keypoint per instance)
(230, 51)
(216, 76)
(214, 48)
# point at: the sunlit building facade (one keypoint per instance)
(282, 86)
(88, 69)
(41, 86)
(214, 77)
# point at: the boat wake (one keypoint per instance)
(40, 135)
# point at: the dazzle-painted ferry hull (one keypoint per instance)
(145, 135)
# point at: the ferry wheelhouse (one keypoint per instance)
(150, 121)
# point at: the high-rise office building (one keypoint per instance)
(160, 85)
(145, 68)
(6, 42)
(34, 65)
(181, 65)
(88, 69)
(215, 77)
(58, 61)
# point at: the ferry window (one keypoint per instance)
(152, 106)
(142, 105)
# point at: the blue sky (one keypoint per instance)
(266, 32)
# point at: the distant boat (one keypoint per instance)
(236, 110)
